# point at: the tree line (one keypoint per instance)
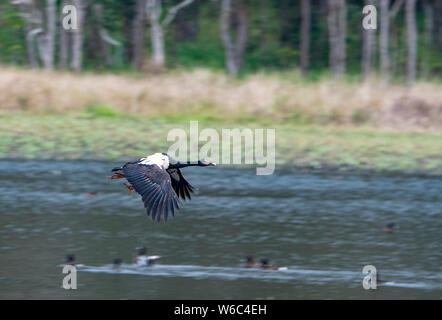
(315, 36)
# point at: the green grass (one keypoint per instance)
(103, 134)
(98, 110)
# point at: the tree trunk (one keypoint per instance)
(305, 35)
(234, 52)
(157, 27)
(139, 34)
(39, 27)
(64, 44)
(158, 53)
(30, 45)
(368, 48)
(229, 49)
(337, 25)
(410, 17)
(34, 26)
(429, 23)
(242, 33)
(64, 49)
(50, 33)
(77, 37)
(46, 40)
(154, 8)
(383, 46)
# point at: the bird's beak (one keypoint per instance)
(206, 163)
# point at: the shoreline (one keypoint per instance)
(26, 135)
(324, 169)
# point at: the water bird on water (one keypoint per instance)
(91, 194)
(117, 264)
(265, 265)
(70, 260)
(251, 263)
(158, 179)
(388, 228)
(143, 260)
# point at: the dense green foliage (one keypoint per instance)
(274, 37)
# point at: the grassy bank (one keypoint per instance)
(282, 97)
(92, 135)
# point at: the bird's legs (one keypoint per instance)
(120, 176)
(131, 189)
(117, 176)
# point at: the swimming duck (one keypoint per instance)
(143, 260)
(158, 179)
(265, 265)
(388, 228)
(70, 260)
(91, 194)
(251, 263)
(117, 264)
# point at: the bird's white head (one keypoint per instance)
(160, 159)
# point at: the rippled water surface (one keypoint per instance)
(323, 227)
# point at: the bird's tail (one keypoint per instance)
(117, 176)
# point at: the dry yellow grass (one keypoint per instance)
(259, 95)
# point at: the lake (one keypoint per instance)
(324, 227)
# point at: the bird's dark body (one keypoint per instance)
(160, 188)
(155, 187)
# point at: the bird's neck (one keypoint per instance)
(184, 164)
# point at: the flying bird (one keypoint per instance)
(158, 179)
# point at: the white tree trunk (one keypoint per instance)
(77, 37)
(154, 10)
(30, 45)
(234, 52)
(46, 41)
(157, 27)
(410, 15)
(229, 49)
(158, 57)
(64, 44)
(50, 34)
(368, 48)
(43, 32)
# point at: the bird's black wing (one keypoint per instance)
(182, 188)
(154, 186)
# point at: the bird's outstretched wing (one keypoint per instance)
(182, 188)
(154, 186)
